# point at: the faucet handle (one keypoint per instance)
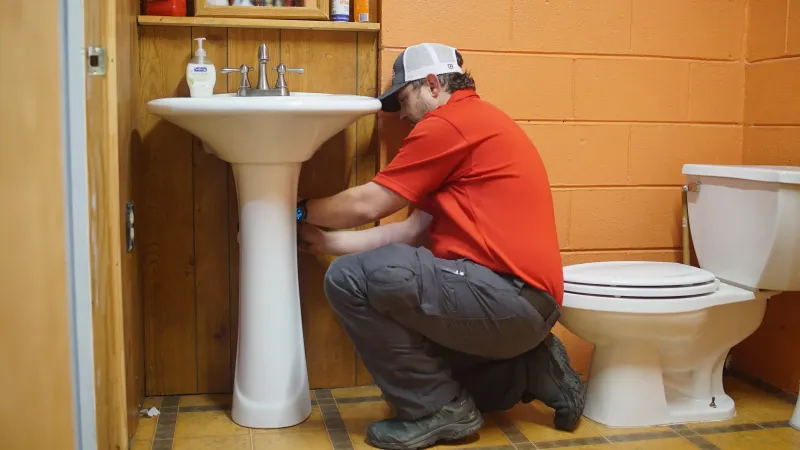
(245, 81)
(282, 69)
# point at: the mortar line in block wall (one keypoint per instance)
(576, 251)
(630, 27)
(772, 125)
(786, 31)
(613, 187)
(552, 54)
(626, 122)
(773, 59)
(630, 157)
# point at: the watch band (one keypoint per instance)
(302, 211)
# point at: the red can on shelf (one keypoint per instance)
(165, 8)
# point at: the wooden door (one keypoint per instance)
(106, 121)
(35, 357)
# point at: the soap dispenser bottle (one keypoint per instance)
(201, 75)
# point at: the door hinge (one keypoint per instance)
(96, 61)
(130, 237)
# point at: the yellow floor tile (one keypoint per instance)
(149, 402)
(749, 440)
(660, 444)
(313, 423)
(737, 389)
(592, 447)
(789, 435)
(361, 391)
(207, 423)
(535, 421)
(213, 443)
(206, 400)
(288, 440)
(765, 408)
(738, 419)
(141, 445)
(613, 431)
(146, 428)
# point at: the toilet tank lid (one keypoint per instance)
(769, 174)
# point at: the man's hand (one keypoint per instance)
(312, 239)
(411, 231)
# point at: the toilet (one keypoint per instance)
(661, 330)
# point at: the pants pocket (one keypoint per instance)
(392, 288)
(451, 279)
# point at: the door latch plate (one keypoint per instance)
(130, 237)
(96, 61)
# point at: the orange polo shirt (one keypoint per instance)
(476, 172)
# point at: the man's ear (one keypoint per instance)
(432, 82)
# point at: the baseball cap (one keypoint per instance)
(415, 63)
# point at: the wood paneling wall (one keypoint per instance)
(187, 215)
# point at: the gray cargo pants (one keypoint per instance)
(426, 328)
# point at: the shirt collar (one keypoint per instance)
(462, 94)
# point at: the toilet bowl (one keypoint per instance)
(662, 330)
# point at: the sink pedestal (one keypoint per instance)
(271, 381)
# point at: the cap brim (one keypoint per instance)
(389, 102)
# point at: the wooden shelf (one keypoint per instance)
(226, 22)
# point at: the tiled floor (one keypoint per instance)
(340, 417)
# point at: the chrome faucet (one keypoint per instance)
(263, 59)
(262, 88)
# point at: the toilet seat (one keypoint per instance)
(646, 287)
(639, 279)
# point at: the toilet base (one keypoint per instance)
(627, 389)
(677, 411)
(794, 422)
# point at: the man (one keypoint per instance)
(465, 326)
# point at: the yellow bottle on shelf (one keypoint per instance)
(362, 11)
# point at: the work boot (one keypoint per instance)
(456, 420)
(552, 380)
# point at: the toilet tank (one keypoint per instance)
(745, 223)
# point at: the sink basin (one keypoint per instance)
(266, 140)
(250, 130)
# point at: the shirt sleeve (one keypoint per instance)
(429, 156)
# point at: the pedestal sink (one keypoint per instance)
(266, 139)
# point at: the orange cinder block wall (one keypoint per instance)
(772, 136)
(617, 95)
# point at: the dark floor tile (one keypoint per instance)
(701, 443)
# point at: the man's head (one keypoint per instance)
(423, 78)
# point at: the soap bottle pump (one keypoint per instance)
(201, 75)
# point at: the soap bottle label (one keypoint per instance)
(199, 73)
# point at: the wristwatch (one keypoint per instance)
(302, 212)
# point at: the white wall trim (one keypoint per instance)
(73, 89)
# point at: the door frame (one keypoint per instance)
(77, 212)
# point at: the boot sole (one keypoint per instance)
(570, 384)
(450, 432)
